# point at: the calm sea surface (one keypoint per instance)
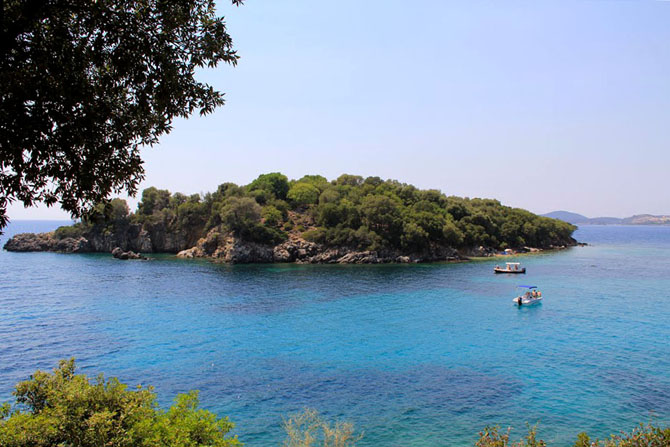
(414, 355)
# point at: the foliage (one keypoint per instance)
(275, 183)
(319, 181)
(72, 231)
(352, 211)
(641, 436)
(240, 214)
(85, 84)
(64, 408)
(119, 209)
(303, 193)
(273, 217)
(492, 437)
(153, 199)
(309, 429)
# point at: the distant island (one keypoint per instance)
(310, 220)
(638, 219)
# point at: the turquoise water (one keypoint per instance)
(414, 355)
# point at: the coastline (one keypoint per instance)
(232, 250)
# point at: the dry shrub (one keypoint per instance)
(492, 437)
(309, 429)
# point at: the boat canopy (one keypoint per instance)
(528, 287)
(513, 263)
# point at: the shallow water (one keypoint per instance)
(414, 355)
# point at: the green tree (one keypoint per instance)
(347, 179)
(414, 237)
(452, 234)
(329, 196)
(272, 216)
(85, 84)
(319, 181)
(67, 409)
(241, 214)
(382, 215)
(153, 200)
(119, 209)
(108, 211)
(274, 182)
(303, 193)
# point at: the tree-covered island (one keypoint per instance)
(273, 219)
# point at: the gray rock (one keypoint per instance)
(118, 253)
(360, 257)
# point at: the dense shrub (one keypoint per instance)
(272, 216)
(240, 214)
(493, 437)
(67, 409)
(309, 429)
(352, 211)
(74, 231)
(303, 194)
(275, 183)
(642, 436)
(153, 199)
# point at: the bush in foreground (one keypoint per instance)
(642, 436)
(309, 429)
(492, 437)
(67, 409)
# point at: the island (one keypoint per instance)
(638, 219)
(310, 220)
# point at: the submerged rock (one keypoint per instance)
(118, 253)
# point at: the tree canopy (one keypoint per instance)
(366, 214)
(85, 84)
(64, 408)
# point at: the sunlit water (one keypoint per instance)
(414, 355)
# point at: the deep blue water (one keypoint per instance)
(414, 355)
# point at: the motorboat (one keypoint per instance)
(527, 295)
(510, 267)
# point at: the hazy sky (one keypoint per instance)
(544, 105)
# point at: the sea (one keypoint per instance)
(412, 355)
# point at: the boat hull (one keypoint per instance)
(526, 301)
(500, 270)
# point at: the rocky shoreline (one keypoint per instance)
(227, 248)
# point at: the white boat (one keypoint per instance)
(510, 267)
(528, 295)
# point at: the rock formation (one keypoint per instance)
(218, 246)
(118, 253)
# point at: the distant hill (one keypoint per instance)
(567, 216)
(647, 219)
(604, 221)
(638, 219)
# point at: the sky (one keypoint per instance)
(544, 105)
